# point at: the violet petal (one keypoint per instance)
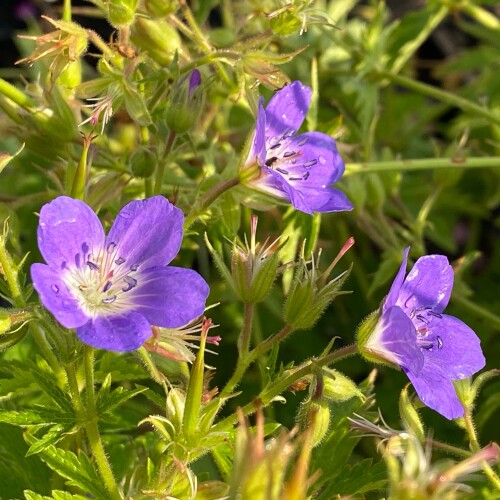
(392, 296)
(428, 284)
(170, 296)
(147, 232)
(436, 390)
(456, 348)
(317, 162)
(116, 333)
(394, 339)
(56, 297)
(67, 230)
(259, 141)
(287, 109)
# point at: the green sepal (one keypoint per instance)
(410, 416)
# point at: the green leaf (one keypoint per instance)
(78, 470)
(107, 400)
(6, 158)
(357, 479)
(52, 436)
(24, 418)
(56, 495)
(46, 383)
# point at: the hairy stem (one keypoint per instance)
(160, 172)
(279, 386)
(92, 429)
(421, 164)
(441, 95)
(207, 199)
(475, 446)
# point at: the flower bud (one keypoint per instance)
(186, 103)
(160, 8)
(366, 334)
(176, 401)
(338, 387)
(121, 13)
(468, 390)
(410, 416)
(315, 414)
(11, 326)
(143, 163)
(285, 22)
(157, 38)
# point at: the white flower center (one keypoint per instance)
(100, 281)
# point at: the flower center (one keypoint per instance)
(101, 281)
(422, 317)
(283, 158)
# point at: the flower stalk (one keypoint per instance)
(421, 164)
(207, 199)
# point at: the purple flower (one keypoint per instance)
(113, 288)
(432, 348)
(296, 168)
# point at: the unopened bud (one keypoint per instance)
(121, 13)
(143, 163)
(315, 414)
(410, 416)
(186, 103)
(338, 387)
(176, 401)
(160, 8)
(157, 38)
(11, 326)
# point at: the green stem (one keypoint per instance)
(9, 270)
(246, 331)
(66, 13)
(475, 446)
(207, 199)
(409, 49)
(16, 95)
(205, 44)
(245, 360)
(482, 16)
(160, 172)
(208, 59)
(421, 164)
(80, 177)
(39, 335)
(448, 448)
(441, 95)
(278, 386)
(92, 429)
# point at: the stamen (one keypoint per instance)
(440, 342)
(111, 247)
(109, 300)
(119, 261)
(295, 178)
(92, 266)
(134, 267)
(107, 286)
(412, 313)
(310, 163)
(287, 154)
(282, 171)
(306, 176)
(131, 282)
(85, 248)
(435, 314)
(55, 288)
(422, 318)
(302, 141)
(275, 146)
